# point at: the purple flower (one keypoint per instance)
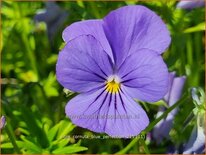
(110, 62)
(196, 143)
(174, 93)
(190, 4)
(2, 122)
(54, 17)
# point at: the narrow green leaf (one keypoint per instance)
(80, 3)
(63, 142)
(7, 146)
(30, 145)
(65, 128)
(12, 137)
(52, 132)
(199, 27)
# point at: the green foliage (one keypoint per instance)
(33, 101)
(51, 140)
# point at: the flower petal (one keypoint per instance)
(84, 109)
(171, 79)
(91, 27)
(130, 120)
(190, 4)
(175, 92)
(196, 143)
(144, 76)
(83, 65)
(176, 89)
(100, 111)
(131, 28)
(162, 129)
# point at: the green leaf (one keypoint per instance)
(26, 144)
(49, 85)
(52, 132)
(63, 142)
(161, 103)
(69, 149)
(80, 3)
(65, 128)
(34, 127)
(6, 146)
(199, 27)
(30, 146)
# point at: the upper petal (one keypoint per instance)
(131, 28)
(83, 65)
(101, 111)
(144, 76)
(91, 27)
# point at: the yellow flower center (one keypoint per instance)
(113, 85)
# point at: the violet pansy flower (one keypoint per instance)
(54, 17)
(174, 93)
(190, 4)
(109, 62)
(196, 142)
(2, 122)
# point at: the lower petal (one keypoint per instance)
(129, 119)
(115, 114)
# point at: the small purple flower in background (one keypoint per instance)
(190, 4)
(54, 17)
(110, 62)
(174, 93)
(196, 143)
(2, 122)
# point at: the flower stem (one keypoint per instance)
(152, 124)
(9, 130)
(182, 100)
(11, 135)
(129, 146)
(145, 146)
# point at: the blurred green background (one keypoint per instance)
(33, 101)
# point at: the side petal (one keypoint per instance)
(100, 111)
(131, 28)
(88, 27)
(83, 65)
(144, 76)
